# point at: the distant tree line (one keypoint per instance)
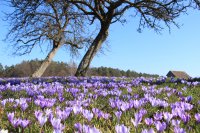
(108, 71)
(26, 68)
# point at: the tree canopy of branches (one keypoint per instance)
(153, 14)
(39, 22)
(197, 2)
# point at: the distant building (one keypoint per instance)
(178, 74)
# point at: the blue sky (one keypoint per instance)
(145, 52)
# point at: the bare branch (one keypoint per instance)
(47, 20)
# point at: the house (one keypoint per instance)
(178, 74)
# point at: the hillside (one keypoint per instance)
(26, 68)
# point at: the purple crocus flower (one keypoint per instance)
(24, 123)
(45, 102)
(61, 98)
(87, 114)
(197, 117)
(160, 126)
(15, 122)
(143, 111)
(169, 94)
(57, 125)
(177, 111)
(124, 106)
(167, 116)
(57, 131)
(59, 113)
(78, 126)
(158, 116)
(96, 111)
(179, 93)
(118, 103)
(188, 99)
(154, 102)
(118, 114)
(137, 104)
(184, 88)
(179, 130)
(100, 114)
(24, 106)
(104, 115)
(137, 120)
(185, 117)
(62, 114)
(77, 109)
(176, 123)
(136, 96)
(37, 113)
(10, 100)
(186, 106)
(66, 113)
(68, 109)
(112, 103)
(195, 83)
(3, 102)
(129, 89)
(148, 131)
(93, 130)
(85, 128)
(48, 112)
(10, 116)
(148, 121)
(41, 119)
(122, 129)
(88, 129)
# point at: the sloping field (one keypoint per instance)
(99, 104)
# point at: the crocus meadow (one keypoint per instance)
(99, 105)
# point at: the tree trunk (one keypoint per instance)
(94, 47)
(39, 72)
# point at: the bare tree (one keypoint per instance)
(197, 2)
(153, 14)
(39, 22)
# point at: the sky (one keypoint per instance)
(146, 52)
